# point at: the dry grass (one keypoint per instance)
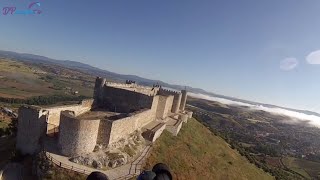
(19, 80)
(306, 168)
(197, 154)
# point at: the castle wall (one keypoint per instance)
(190, 114)
(104, 132)
(121, 100)
(168, 105)
(122, 128)
(175, 131)
(144, 118)
(77, 136)
(54, 112)
(176, 98)
(164, 106)
(176, 103)
(174, 126)
(155, 102)
(153, 134)
(183, 100)
(184, 117)
(31, 127)
(150, 91)
(98, 90)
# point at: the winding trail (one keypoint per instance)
(12, 171)
(123, 172)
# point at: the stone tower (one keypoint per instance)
(176, 102)
(98, 90)
(183, 99)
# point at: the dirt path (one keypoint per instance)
(12, 172)
(122, 172)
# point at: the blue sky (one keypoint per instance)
(255, 50)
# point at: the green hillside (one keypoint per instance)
(196, 153)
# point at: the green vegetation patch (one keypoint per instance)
(13, 66)
(304, 167)
(197, 154)
(3, 125)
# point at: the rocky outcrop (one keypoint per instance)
(114, 155)
(101, 160)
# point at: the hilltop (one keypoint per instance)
(196, 153)
(36, 60)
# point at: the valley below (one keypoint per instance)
(281, 145)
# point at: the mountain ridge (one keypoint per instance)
(31, 58)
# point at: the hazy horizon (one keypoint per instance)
(312, 120)
(259, 51)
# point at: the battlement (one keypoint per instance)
(31, 107)
(130, 82)
(132, 86)
(117, 111)
(163, 91)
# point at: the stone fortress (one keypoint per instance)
(117, 111)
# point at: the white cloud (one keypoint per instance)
(295, 116)
(288, 63)
(314, 57)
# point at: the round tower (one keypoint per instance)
(77, 136)
(183, 100)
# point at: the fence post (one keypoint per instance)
(60, 164)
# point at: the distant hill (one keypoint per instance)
(201, 155)
(31, 58)
(91, 70)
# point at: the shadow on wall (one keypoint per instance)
(118, 116)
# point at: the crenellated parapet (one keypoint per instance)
(176, 100)
(132, 86)
(130, 82)
(163, 91)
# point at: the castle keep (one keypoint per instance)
(116, 111)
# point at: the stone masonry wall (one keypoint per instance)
(164, 106)
(176, 103)
(176, 99)
(104, 132)
(77, 136)
(183, 99)
(31, 127)
(168, 105)
(54, 112)
(123, 127)
(150, 91)
(121, 100)
(112, 131)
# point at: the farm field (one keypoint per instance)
(22, 81)
(304, 167)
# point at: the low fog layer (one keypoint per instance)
(313, 120)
